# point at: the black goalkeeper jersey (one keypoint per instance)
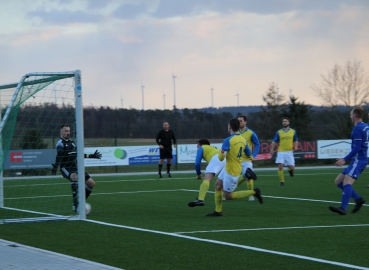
(66, 156)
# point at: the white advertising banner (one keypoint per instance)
(333, 148)
(125, 155)
(111, 156)
(187, 152)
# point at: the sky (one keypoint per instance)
(235, 47)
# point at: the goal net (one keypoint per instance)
(32, 112)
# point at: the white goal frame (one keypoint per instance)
(53, 76)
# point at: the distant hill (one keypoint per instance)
(252, 109)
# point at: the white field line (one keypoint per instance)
(278, 228)
(175, 172)
(169, 190)
(100, 193)
(32, 212)
(233, 245)
(283, 198)
(142, 180)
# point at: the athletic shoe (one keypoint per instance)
(291, 173)
(75, 208)
(282, 184)
(169, 175)
(338, 210)
(258, 195)
(358, 204)
(160, 176)
(251, 198)
(197, 202)
(215, 214)
(249, 174)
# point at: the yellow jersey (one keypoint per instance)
(232, 149)
(286, 138)
(252, 141)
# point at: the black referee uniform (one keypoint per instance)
(165, 138)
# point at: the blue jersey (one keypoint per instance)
(359, 143)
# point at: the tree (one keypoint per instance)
(299, 113)
(344, 85)
(270, 116)
(33, 140)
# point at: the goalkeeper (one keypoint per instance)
(66, 158)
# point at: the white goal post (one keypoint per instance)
(32, 112)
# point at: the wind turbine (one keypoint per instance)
(174, 88)
(238, 99)
(142, 88)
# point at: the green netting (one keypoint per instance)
(32, 112)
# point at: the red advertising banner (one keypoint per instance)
(305, 150)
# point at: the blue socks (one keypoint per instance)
(354, 194)
(346, 195)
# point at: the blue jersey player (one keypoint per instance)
(359, 160)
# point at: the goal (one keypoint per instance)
(32, 112)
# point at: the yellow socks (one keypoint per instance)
(204, 187)
(242, 194)
(250, 184)
(281, 175)
(240, 180)
(218, 197)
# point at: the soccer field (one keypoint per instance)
(142, 222)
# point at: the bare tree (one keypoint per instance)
(344, 85)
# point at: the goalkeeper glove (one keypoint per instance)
(54, 169)
(95, 155)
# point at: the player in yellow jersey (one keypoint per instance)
(232, 149)
(210, 155)
(287, 138)
(253, 142)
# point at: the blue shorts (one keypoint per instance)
(355, 168)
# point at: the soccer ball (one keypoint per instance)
(88, 208)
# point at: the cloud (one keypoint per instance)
(60, 17)
(233, 47)
(129, 11)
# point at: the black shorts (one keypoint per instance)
(66, 172)
(166, 153)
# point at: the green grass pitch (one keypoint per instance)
(142, 222)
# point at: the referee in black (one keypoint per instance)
(164, 140)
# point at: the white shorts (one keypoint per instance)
(245, 166)
(215, 165)
(229, 181)
(285, 158)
